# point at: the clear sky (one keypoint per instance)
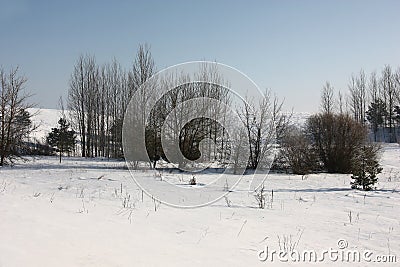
(292, 47)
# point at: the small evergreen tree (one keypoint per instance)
(63, 138)
(21, 129)
(366, 167)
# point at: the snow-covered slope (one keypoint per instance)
(299, 118)
(44, 120)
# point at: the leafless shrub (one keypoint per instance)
(336, 138)
(227, 201)
(83, 209)
(260, 197)
(287, 243)
(298, 152)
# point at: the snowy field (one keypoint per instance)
(90, 213)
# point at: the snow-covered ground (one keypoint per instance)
(90, 213)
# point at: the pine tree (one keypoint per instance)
(62, 137)
(20, 130)
(375, 115)
(366, 168)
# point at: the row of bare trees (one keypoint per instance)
(372, 100)
(97, 98)
(185, 119)
(190, 118)
(193, 122)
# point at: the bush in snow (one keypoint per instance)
(298, 152)
(336, 138)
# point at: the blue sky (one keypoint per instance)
(292, 47)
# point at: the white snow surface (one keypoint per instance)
(89, 212)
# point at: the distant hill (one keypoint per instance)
(299, 118)
(44, 119)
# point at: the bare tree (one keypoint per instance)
(358, 97)
(143, 68)
(143, 90)
(15, 123)
(260, 120)
(327, 98)
(389, 95)
(397, 86)
(373, 87)
(354, 98)
(341, 103)
(76, 101)
(376, 112)
(362, 89)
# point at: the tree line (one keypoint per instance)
(98, 96)
(196, 130)
(97, 99)
(336, 140)
(372, 100)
